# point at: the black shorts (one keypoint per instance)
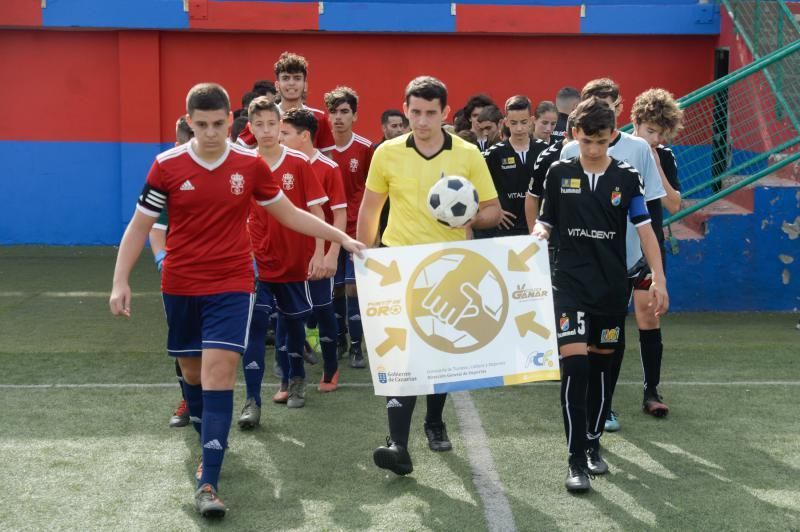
(603, 331)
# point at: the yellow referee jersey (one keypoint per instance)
(400, 170)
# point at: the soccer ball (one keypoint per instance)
(453, 201)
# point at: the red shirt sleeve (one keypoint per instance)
(266, 190)
(246, 137)
(324, 137)
(315, 194)
(335, 189)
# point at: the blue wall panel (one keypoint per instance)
(167, 14)
(395, 16)
(651, 19)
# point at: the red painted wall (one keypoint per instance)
(111, 86)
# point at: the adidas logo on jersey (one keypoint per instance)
(187, 185)
(393, 403)
(213, 444)
(252, 365)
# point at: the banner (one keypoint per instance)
(457, 315)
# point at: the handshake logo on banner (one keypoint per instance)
(457, 316)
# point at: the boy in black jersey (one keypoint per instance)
(656, 118)
(511, 164)
(587, 200)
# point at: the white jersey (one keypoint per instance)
(637, 153)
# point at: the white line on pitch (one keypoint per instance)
(70, 294)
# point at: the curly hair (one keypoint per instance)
(657, 106)
(291, 64)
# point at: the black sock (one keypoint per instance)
(615, 364)
(399, 411)
(574, 377)
(435, 407)
(651, 349)
(179, 374)
(597, 395)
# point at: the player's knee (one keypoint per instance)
(190, 369)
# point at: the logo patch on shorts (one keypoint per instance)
(563, 323)
(609, 336)
(616, 198)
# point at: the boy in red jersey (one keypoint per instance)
(291, 81)
(353, 154)
(297, 130)
(208, 185)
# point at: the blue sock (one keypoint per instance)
(217, 416)
(281, 353)
(354, 320)
(295, 337)
(194, 400)
(340, 312)
(327, 339)
(253, 360)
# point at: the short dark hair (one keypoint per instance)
(248, 97)
(477, 100)
(566, 94)
(183, 133)
(262, 103)
(601, 88)
(427, 88)
(545, 106)
(594, 115)
(520, 102)
(290, 63)
(491, 113)
(341, 95)
(264, 87)
(460, 121)
(207, 97)
(302, 120)
(238, 126)
(389, 113)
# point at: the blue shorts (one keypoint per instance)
(321, 292)
(346, 272)
(219, 321)
(265, 301)
(293, 300)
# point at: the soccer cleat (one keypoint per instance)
(594, 461)
(357, 357)
(393, 457)
(577, 480)
(341, 346)
(308, 354)
(207, 502)
(437, 437)
(181, 416)
(651, 403)
(612, 423)
(282, 395)
(326, 387)
(251, 415)
(297, 393)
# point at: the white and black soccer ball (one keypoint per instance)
(453, 201)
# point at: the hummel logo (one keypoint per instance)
(393, 403)
(213, 444)
(187, 185)
(252, 365)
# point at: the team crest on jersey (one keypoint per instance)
(237, 184)
(609, 336)
(353, 165)
(563, 323)
(288, 181)
(616, 198)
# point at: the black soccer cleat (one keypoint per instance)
(393, 457)
(651, 403)
(577, 480)
(437, 437)
(594, 460)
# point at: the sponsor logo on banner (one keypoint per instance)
(539, 360)
(609, 336)
(616, 198)
(384, 308)
(237, 184)
(382, 375)
(522, 293)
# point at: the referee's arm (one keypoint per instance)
(369, 216)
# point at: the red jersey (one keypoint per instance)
(323, 139)
(330, 178)
(208, 248)
(353, 160)
(283, 255)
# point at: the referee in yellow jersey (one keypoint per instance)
(404, 169)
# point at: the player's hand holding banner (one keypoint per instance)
(458, 316)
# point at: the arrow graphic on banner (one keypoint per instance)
(394, 338)
(527, 323)
(517, 262)
(390, 274)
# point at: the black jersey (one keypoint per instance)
(511, 172)
(560, 129)
(536, 186)
(589, 211)
(670, 167)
